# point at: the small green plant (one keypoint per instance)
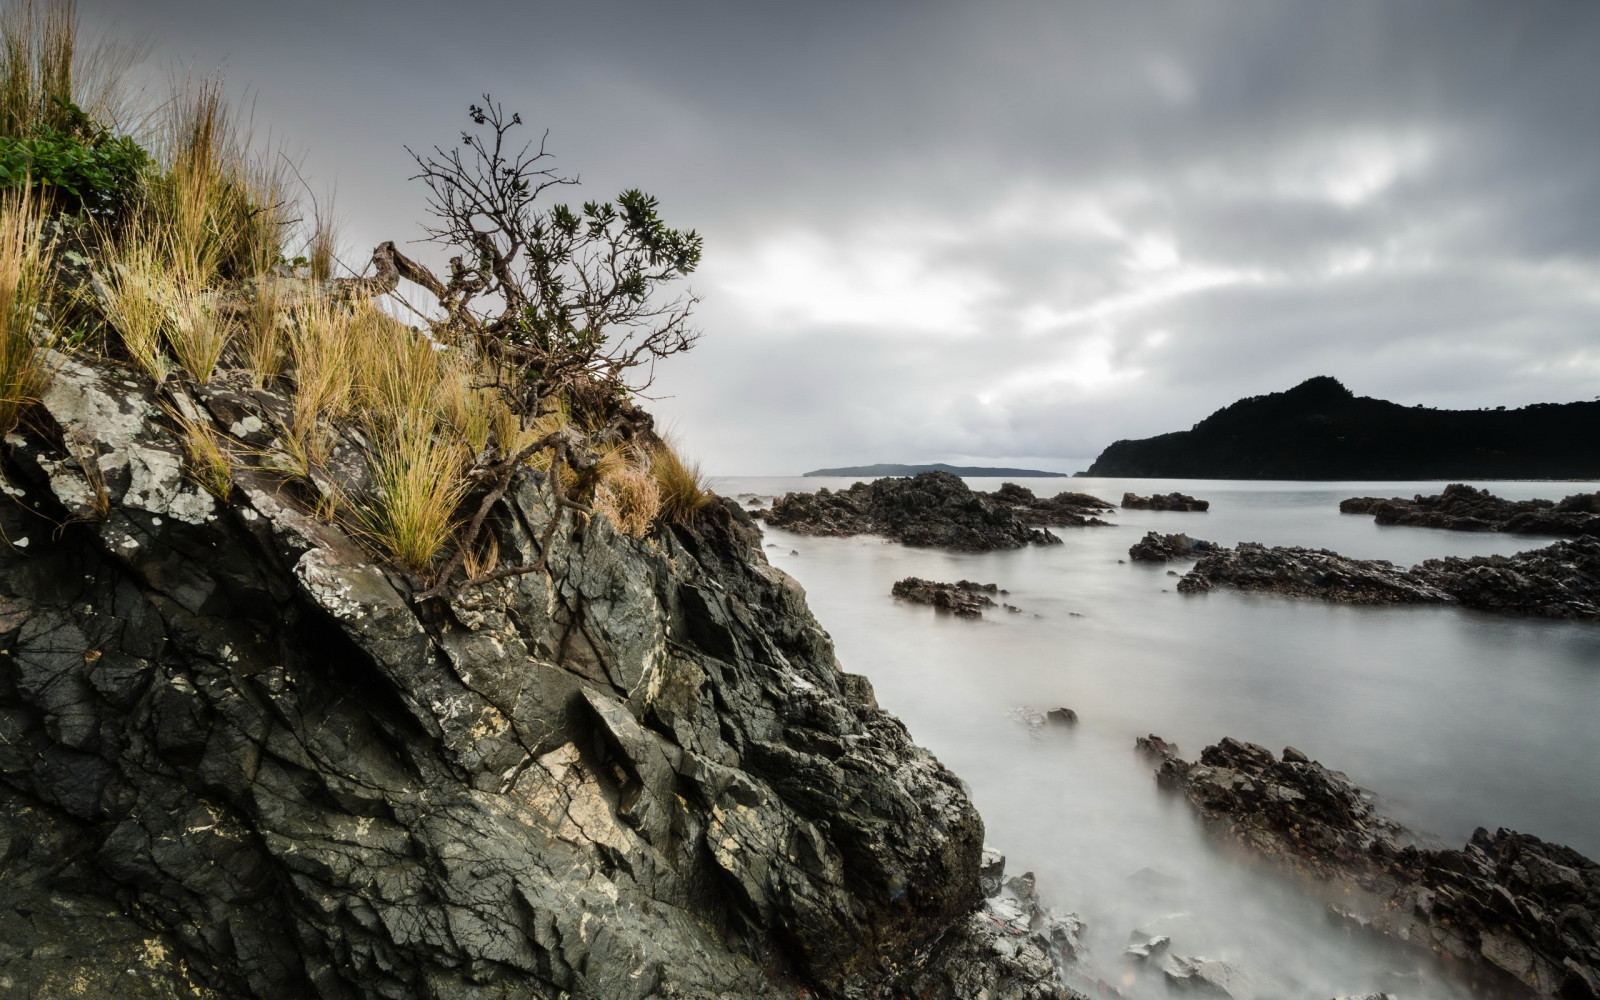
(82, 167)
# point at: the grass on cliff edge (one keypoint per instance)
(184, 292)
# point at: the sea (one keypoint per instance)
(1453, 719)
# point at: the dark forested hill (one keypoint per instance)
(1321, 430)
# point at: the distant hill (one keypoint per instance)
(1321, 430)
(954, 470)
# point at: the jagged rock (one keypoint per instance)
(1142, 946)
(1299, 572)
(1164, 501)
(1559, 581)
(934, 509)
(1519, 912)
(1463, 508)
(964, 597)
(1206, 977)
(1156, 547)
(1064, 510)
(238, 759)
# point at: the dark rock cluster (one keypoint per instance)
(1156, 547)
(239, 758)
(964, 597)
(934, 509)
(1463, 508)
(1164, 501)
(1517, 914)
(1066, 509)
(1561, 580)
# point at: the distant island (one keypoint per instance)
(954, 470)
(1321, 430)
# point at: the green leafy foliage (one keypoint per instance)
(77, 161)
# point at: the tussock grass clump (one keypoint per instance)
(26, 333)
(681, 484)
(417, 493)
(42, 59)
(630, 499)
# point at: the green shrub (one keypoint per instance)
(82, 166)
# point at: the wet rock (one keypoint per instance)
(964, 597)
(1206, 977)
(1559, 581)
(1463, 508)
(1142, 946)
(1164, 501)
(934, 509)
(1062, 716)
(1156, 547)
(1521, 914)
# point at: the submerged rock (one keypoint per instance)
(1522, 913)
(934, 509)
(964, 597)
(1164, 501)
(1463, 508)
(1559, 581)
(240, 759)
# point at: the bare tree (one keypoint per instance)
(558, 297)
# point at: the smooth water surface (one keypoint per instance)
(1455, 719)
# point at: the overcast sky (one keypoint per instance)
(1002, 233)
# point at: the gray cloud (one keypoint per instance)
(1009, 230)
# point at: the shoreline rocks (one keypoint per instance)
(934, 510)
(1561, 580)
(1507, 906)
(1164, 501)
(1462, 508)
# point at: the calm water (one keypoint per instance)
(1455, 719)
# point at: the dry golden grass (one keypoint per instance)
(25, 284)
(262, 341)
(682, 486)
(210, 465)
(630, 499)
(135, 290)
(322, 344)
(417, 493)
(42, 57)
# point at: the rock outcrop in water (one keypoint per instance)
(934, 509)
(1462, 508)
(1517, 914)
(1164, 501)
(1559, 581)
(1320, 430)
(1067, 509)
(1156, 547)
(238, 758)
(964, 597)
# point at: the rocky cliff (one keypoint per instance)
(240, 758)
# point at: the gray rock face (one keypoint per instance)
(934, 509)
(1520, 915)
(238, 760)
